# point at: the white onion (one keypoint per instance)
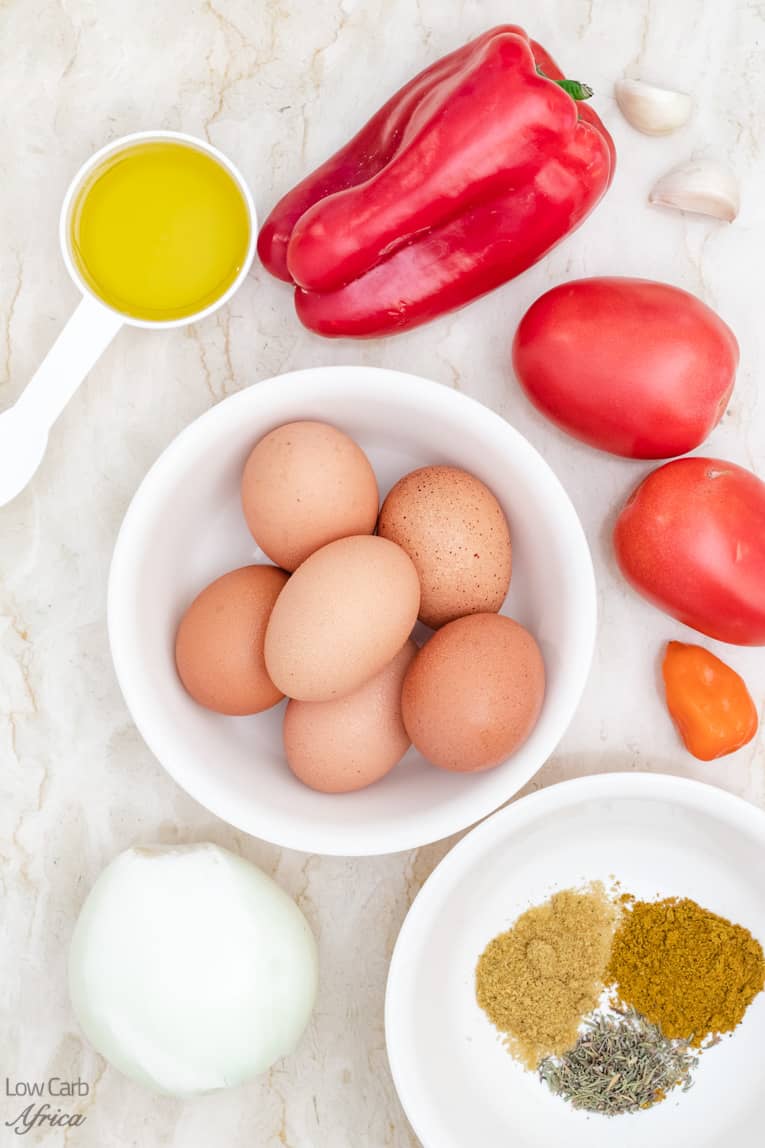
(190, 969)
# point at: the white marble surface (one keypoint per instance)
(278, 84)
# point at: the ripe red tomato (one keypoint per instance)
(691, 539)
(633, 367)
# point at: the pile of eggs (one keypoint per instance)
(329, 625)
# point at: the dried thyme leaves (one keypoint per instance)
(619, 1064)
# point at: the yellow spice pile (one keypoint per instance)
(538, 980)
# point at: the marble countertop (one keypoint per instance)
(278, 84)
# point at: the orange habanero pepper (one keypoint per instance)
(708, 701)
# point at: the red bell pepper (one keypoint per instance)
(467, 176)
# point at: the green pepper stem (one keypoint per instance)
(575, 89)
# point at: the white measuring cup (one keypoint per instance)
(25, 426)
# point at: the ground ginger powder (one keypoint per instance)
(687, 970)
(536, 981)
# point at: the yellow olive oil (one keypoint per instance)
(160, 230)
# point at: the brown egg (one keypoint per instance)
(474, 692)
(455, 532)
(219, 644)
(343, 615)
(347, 744)
(304, 485)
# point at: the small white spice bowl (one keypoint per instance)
(660, 836)
(185, 527)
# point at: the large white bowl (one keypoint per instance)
(184, 527)
(658, 835)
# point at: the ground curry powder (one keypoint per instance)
(687, 970)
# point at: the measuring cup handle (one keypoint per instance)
(82, 341)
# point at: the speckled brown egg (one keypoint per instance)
(304, 485)
(456, 533)
(343, 615)
(474, 692)
(219, 644)
(343, 745)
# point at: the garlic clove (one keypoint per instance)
(653, 111)
(702, 186)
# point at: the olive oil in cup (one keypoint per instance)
(160, 230)
(156, 230)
